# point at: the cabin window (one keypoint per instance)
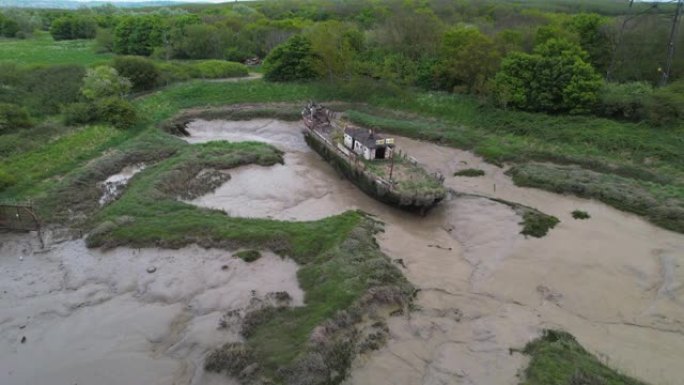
(380, 152)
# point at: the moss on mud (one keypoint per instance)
(248, 255)
(558, 359)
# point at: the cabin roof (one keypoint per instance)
(365, 136)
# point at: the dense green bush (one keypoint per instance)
(172, 72)
(138, 35)
(8, 27)
(290, 61)
(142, 72)
(13, 116)
(49, 87)
(6, 180)
(624, 101)
(118, 112)
(104, 81)
(555, 78)
(214, 69)
(666, 105)
(73, 27)
(79, 113)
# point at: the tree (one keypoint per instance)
(468, 58)
(202, 41)
(555, 78)
(142, 72)
(73, 27)
(139, 35)
(334, 45)
(595, 37)
(292, 60)
(103, 81)
(410, 31)
(9, 28)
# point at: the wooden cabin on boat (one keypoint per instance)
(367, 144)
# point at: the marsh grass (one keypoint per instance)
(470, 172)
(662, 206)
(556, 358)
(579, 214)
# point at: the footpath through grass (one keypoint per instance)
(42, 49)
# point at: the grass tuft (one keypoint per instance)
(248, 255)
(470, 172)
(579, 214)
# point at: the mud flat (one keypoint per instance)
(614, 281)
(127, 316)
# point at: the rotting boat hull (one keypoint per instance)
(366, 181)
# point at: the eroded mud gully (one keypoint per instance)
(615, 281)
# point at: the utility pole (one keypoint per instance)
(672, 43)
(618, 45)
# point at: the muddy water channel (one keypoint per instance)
(149, 316)
(615, 281)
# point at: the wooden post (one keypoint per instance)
(391, 166)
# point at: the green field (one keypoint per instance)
(42, 49)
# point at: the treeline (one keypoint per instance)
(548, 56)
(81, 95)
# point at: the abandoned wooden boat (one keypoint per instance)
(372, 162)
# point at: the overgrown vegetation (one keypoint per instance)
(579, 214)
(470, 172)
(558, 359)
(662, 205)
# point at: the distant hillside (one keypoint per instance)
(71, 4)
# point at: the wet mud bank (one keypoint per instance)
(614, 281)
(125, 316)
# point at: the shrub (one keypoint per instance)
(537, 224)
(49, 87)
(116, 111)
(170, 72)
(214, 69)
(624, 101)
(555, 78)
(290, 61)
(472, 172)
(73, 27)
(104, 81)
(666, 105)
(104, 41)
(579, 214)
(10, 28)
(12, 117)
(79, 113)
(6, 180)
(142, 72)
